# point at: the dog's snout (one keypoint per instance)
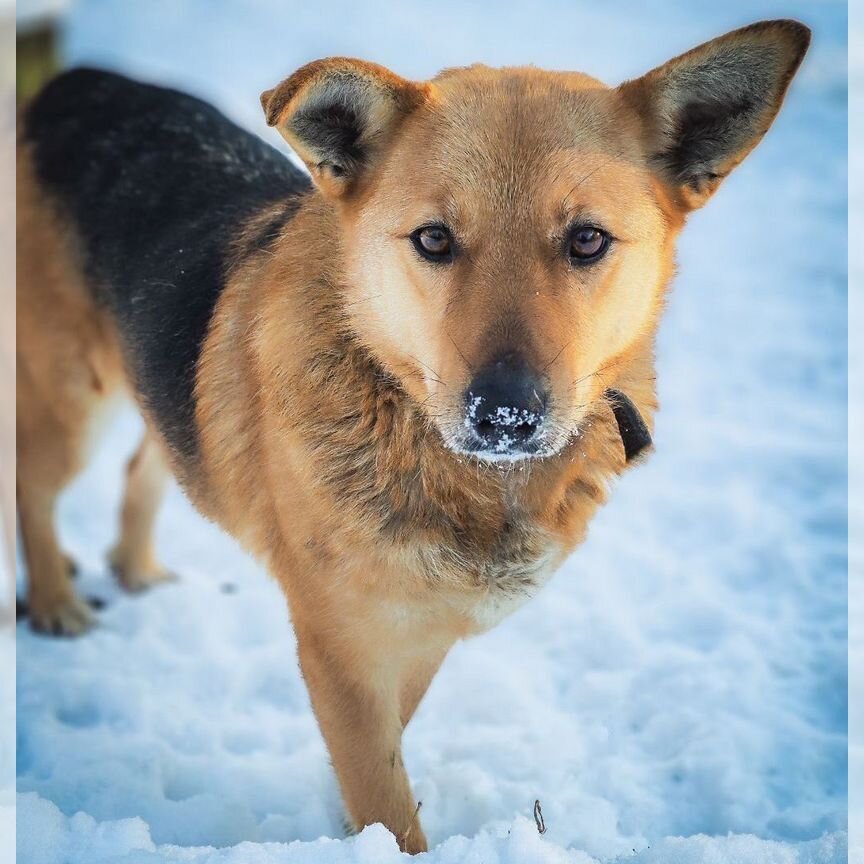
(505, 405)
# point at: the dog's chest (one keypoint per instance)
(485, 572)
(439, 524)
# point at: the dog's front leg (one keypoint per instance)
(357, 699)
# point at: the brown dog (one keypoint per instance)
(405, 387)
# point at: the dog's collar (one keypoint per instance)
(634, 433)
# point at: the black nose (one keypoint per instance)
(505, 405)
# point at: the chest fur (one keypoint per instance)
(449, 521)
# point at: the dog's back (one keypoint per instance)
(157, 185)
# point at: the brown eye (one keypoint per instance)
(587, 244)
(434, 243)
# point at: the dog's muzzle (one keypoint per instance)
(506, 405)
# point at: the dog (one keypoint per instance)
(403, 380)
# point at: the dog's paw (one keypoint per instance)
(67, 616)
(136, 578)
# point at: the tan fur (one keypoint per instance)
(331, 378)
(133, 557)
(68, 366)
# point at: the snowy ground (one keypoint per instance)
(678, 692)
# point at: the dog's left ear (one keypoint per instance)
(704, 111)
(338, 115)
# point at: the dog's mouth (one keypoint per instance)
(513, 435)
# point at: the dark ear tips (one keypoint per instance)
(634, 432)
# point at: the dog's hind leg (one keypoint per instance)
(68, 368)
(52, 432)
(133, 557)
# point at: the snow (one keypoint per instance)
(57, 839)
(676, 694)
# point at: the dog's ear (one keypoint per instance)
(704, 111)
(338, 115)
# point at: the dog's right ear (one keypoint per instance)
(338, 115)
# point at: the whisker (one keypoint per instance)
(436, 378)
(601, 370)
(592, 172)
(549, 364)
(459, 351)
(361, 300)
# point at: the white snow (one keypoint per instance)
(676, 694)
(474, 402)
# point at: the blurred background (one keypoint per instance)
(7, 435)
(684, 675)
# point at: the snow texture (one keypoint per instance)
(676, 694)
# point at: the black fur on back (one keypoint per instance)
(158, 186)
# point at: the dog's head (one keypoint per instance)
(508, 233)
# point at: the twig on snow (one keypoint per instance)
(410, 828)
(538, 818)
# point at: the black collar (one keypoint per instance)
(634, 433)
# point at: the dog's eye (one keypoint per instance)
(434, 243)
(586, 243)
